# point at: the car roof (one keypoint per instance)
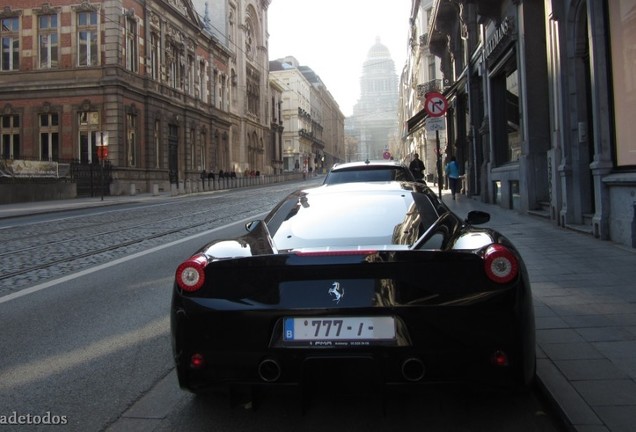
(368, 163)
(379, 188)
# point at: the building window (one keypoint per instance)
(49, 137)
(233, 88)
(155, 55)
(230, 24)
(175, 68)
(132, 59)
(48, 41)
(131, 139)
(273, 110)
(10, 131)
(505, 97)
(253, 91)
(215, 90)
(497, 192)
(224, 98)
(203, 94)
(87, 38)
(157, 141)
(513, 117)
(432, 70)
(192, 150)
(202, 154)
(10, 35)
(88, 125)
(622, 27)
(249, 39)
(190, 76)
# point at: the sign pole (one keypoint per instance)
(440, 177)
(435, 106)
(101, 186)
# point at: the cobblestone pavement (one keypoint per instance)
(38, 252)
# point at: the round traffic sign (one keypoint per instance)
(435, 104)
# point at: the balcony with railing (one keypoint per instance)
(423, 89)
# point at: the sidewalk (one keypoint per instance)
(32, 208)
(585, 306)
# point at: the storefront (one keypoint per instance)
(516, 90)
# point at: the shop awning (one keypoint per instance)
(416, 122)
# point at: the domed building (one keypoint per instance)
(374, 120)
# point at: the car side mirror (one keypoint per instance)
(476, 217)
(251, 226)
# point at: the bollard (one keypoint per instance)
(155, 189)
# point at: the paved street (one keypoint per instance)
(585, 306)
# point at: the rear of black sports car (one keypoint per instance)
(414, 317)
(421, 297)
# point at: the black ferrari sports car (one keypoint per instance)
(376, 278)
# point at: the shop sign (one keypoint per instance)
(500, 34)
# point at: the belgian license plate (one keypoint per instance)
(339, 329)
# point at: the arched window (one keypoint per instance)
(249, 39)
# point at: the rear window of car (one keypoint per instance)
(345, 219)
(368, 174)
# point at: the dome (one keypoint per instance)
(378, 51)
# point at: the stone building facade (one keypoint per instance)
(420, 76)
(169, 97)
(313, 125)
(540, 100)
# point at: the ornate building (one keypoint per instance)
(420, 76)
(168, 96)
(541, 106)
(374, 120)
(313, 123)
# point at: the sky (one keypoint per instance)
(333, 38)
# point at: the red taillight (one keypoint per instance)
(196, 361)
(501, 264)
(190, 274)
(499, 358)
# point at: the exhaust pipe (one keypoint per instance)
(269, 370)
(413, 369)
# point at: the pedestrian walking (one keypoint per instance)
(204, 175)
(452, 171)
(417, 167)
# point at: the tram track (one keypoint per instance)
(42, 255)
(11, 246)
(92, 252)
(33, 253)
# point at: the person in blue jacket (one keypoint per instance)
(452, 171)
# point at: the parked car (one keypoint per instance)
(377, 278)
(384, 170)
